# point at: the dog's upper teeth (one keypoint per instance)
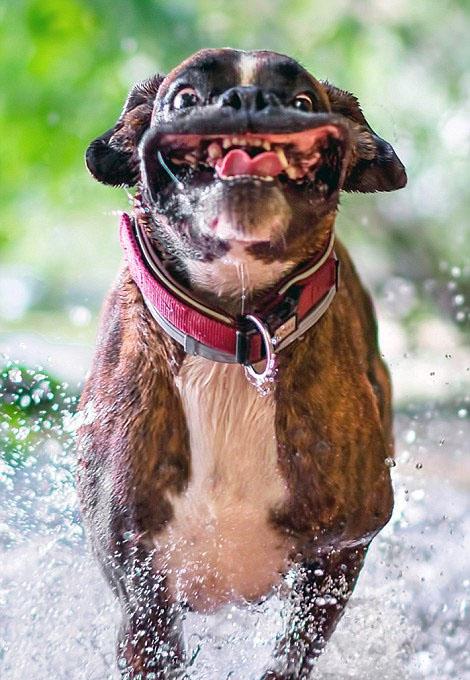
(256, 142)
(266, 145)
(226, 143)
(282, 158)
(214, 150)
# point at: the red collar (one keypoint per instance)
(283, 315)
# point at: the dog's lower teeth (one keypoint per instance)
(291, 172)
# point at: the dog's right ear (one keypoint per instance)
(113, 158)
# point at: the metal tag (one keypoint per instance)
(285, 329)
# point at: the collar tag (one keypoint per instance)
(285, 329)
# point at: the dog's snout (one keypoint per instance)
(248, 98)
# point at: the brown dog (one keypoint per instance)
(236, 423)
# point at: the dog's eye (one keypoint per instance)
(185, 98)
(303, 102)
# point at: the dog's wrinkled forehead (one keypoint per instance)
(214, 71)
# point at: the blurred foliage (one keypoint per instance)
(66, 67)
(33, 406)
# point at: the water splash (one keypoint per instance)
(407, 619)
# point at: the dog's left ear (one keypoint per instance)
(375, 165)
(113, 158)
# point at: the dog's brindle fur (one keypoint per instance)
(197, 489)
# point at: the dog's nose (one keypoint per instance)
(248, 98)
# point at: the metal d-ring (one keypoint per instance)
(268, 370)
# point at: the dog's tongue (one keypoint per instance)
(238, 162)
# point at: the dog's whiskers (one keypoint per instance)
(168, 171)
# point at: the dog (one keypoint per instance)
(236, 424)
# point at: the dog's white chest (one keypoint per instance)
(220, 545)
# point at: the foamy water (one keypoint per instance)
(408, 618)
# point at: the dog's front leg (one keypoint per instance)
(150, 645)
(317, 600)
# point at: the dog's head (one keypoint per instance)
(242, 155)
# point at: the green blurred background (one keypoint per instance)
(66, 67)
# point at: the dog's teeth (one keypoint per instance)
(294, 172)
(282, 158)
(291, 172)
(214, 150)
(267, 145)
(256, 142)
(226, 143)
(238, 141)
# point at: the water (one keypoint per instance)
(408, 618)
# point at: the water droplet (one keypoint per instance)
(14, 375)
(389, 462)
(417, 494)
(410, 436)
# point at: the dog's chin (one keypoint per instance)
(243, 212)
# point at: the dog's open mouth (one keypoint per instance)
(313, 156)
